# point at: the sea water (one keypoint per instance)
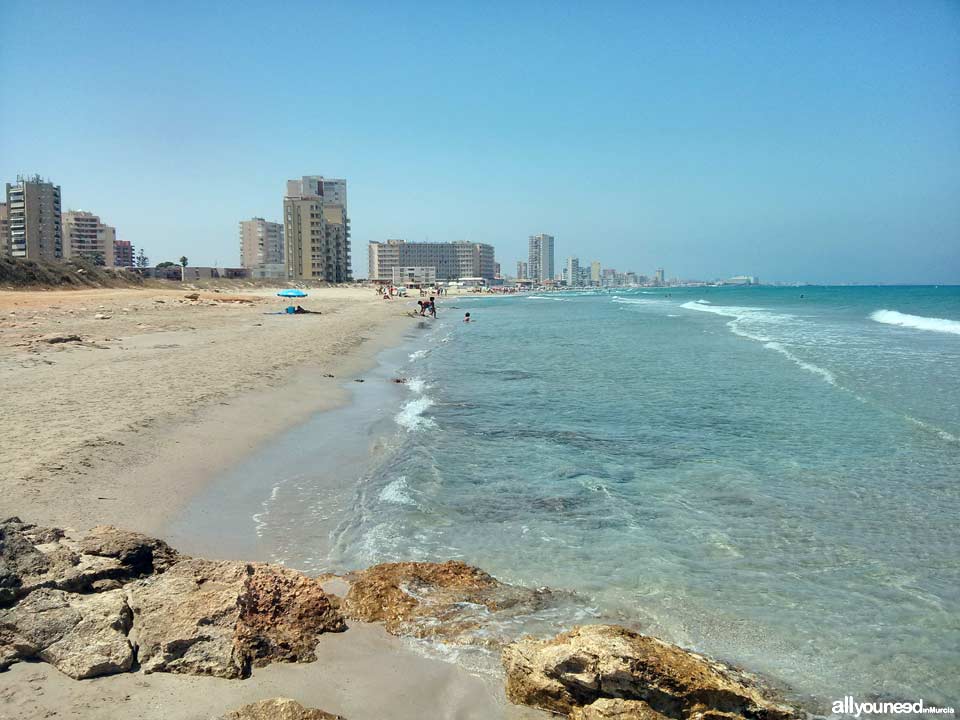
(767, 475)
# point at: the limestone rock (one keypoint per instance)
(616, 709)
(18, 558)
(33, 557)
(218, 618)
(81, 635)
(574, 670)
(448, 601)
(278, 709)
(139, 554)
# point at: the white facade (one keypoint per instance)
(413, 275)
(540, 258)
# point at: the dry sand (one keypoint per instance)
(123, 427)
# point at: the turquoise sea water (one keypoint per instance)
(770, 479)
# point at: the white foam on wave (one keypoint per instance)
(917, 322)
(939, 432)
(809, 367)
(411, 415)
(753, 324)
(418, 354)
(417, 385)
(395, 492)
(544, 297)
(704, 302)
(260, 518)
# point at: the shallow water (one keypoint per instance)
(768, 479)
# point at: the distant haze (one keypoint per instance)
(814, 141)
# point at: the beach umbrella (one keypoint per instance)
(292, 293)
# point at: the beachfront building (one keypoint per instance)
(123, 254)
(450, 260)
(658, 278)
(741, 280)
(540, 258)
(261, 243)
(595, 273)
(86, 237)
(35, 230)
(521, 270)
(4, 230)
(571, 272)
(316, 229)
(413, 276)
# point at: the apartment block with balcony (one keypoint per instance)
(85, 237)
(451, 260)
(317, 229)
(35, 230)
(261, 243)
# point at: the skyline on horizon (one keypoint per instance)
(815, 143)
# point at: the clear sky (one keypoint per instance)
(802, 140)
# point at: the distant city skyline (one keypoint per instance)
(816, 142)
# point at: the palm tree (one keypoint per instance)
(183, 260)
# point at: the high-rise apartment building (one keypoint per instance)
(261, 243)
(4, 230)
(33, 206)
(659, 278)
(540, 258)
(571, 271)
(595, 273)
(316, 229)
(521, 270)
(452, 260)
(123, 254)
(85, 237)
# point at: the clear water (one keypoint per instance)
(770, 479)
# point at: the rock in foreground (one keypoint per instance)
(599, 672)
(81, 635)
(219, 618)
(278, 709)
(447, 601)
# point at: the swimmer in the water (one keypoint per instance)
(466, 318)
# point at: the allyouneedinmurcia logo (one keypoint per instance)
(849, 706)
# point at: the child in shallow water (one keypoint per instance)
(466, 318)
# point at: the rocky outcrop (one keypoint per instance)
(137, 554)
(448, 601)
(81, 635)
(220, 618)
(278, 709)
(33, 557)
(606, 671)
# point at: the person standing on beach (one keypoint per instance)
(433, 306)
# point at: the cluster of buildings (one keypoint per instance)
(539, 269)
(33, 226)
(312, 242)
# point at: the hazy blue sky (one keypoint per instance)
(793, 140)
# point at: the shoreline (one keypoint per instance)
(145, 473)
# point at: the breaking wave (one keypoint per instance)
(917, 322)
(756, 324)
(411, 415)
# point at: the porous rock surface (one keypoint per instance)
(81, 635)
(448, 600)
(278, 709)
(606, 671)
(204, 617)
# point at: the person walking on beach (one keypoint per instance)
(433, 306)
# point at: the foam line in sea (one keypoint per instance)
(917, 322)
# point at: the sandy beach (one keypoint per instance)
(121, 404)
(162, 390)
